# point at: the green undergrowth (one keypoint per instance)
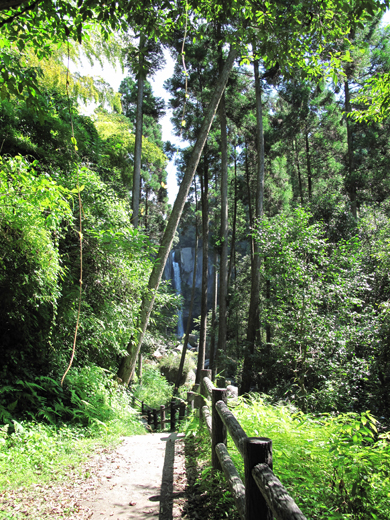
(155, 389)
(48, 429)
(335, 467)
(207, 493)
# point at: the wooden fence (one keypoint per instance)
(157, 418)
(263, 497)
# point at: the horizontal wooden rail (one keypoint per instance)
(235, 484)
(208, 386)
(232, 425)
(279, 501)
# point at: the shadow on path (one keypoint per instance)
(167, 495)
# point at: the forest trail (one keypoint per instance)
(144, 478)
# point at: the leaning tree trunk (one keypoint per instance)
(128, 363)
(253, 319)
(138, 138)
(205, 271)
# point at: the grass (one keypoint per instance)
(42, 460)
(207, 494)
(334, 467)
(155, 389)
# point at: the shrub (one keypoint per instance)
(169, 366)
(154, 389)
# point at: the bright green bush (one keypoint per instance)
(155, 389)
(334, 467)
(90, 397)
(169, 366)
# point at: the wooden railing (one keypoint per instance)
(157, 417)
(262, 497)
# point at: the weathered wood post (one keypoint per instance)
(257, 450)
(173, 418)
(142, 408)
(190, 400)
(218, 428)
(155, 419)
(204, 373)
(182, 410)
(162, 416)
(149, 412)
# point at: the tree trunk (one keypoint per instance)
(253, 318)
(222, 329)
(233, 244)
(299, 172)
(138, 138)
(350, 176)
(308, 162)
(127, 366)
(249, 201)
(214, 314)
(205, 271)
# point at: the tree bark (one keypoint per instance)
(233, 244)
(214, 315)
(222, 328)
(253, 318)
(127, 366)
(299, 172)
(205, 270)
(350, 177)
(308, 162)
(249, 201)
(138, 137)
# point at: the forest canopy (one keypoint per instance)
(284, 108)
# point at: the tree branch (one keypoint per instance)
(14, 16)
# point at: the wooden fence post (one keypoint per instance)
(205, 372)
(162, 416)
(142, 408)
(155, 419)
(190, 400)
(257, 450)
(173, 418)
(218, 428)
(182, 411)
(149, 412)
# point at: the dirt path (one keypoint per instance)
(144, 478)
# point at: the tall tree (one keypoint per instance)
(127, 366)
(143, 61)
(253, 319)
